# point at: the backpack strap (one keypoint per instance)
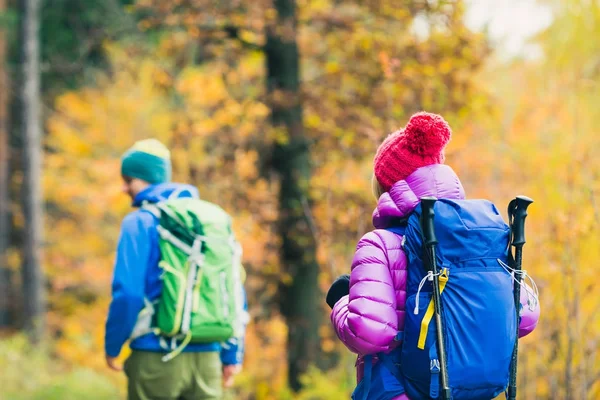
(196, 261)
(398, 225)
(398, 230)
(186, 340)
(387, 360)
(434, 369)
(368, 369)
(443, 278)
(143, 324)
(239, 277)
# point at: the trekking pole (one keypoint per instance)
(517, 212)
(428, 230)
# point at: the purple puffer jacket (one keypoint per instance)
(367, 319)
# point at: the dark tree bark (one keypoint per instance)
(5, 287)
(300, 298)
(33, 286)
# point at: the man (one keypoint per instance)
(201, 370)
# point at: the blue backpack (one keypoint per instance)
(478, 311)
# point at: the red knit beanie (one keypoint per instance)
(420, 143)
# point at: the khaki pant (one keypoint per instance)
(189, 376)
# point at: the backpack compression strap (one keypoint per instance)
(430, 309)
(196, 260)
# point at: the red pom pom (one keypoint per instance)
(426, 134)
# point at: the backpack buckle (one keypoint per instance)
(434, 383)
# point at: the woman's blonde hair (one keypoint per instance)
(376, 188)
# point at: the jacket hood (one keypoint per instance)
(163, 191)
(438, 180)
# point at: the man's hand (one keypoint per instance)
(229, 372)
(113, 364)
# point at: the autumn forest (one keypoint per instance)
(273, 109)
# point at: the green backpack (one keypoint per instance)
(201, 300)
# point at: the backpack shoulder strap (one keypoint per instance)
(368, 370)
(398, 230)
(398, 225)
(151, 208)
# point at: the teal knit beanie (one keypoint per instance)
(148, 160)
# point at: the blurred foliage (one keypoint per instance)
(543, 143)
(197, 83)
(28, 373)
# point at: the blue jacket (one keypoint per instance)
(137, 276)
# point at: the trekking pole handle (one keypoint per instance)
(427, 215)
(517, 211)
(520, 211)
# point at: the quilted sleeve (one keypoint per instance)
(366, 320)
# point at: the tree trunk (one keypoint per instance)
(33, 285)
(5, 287)
(300, 297)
